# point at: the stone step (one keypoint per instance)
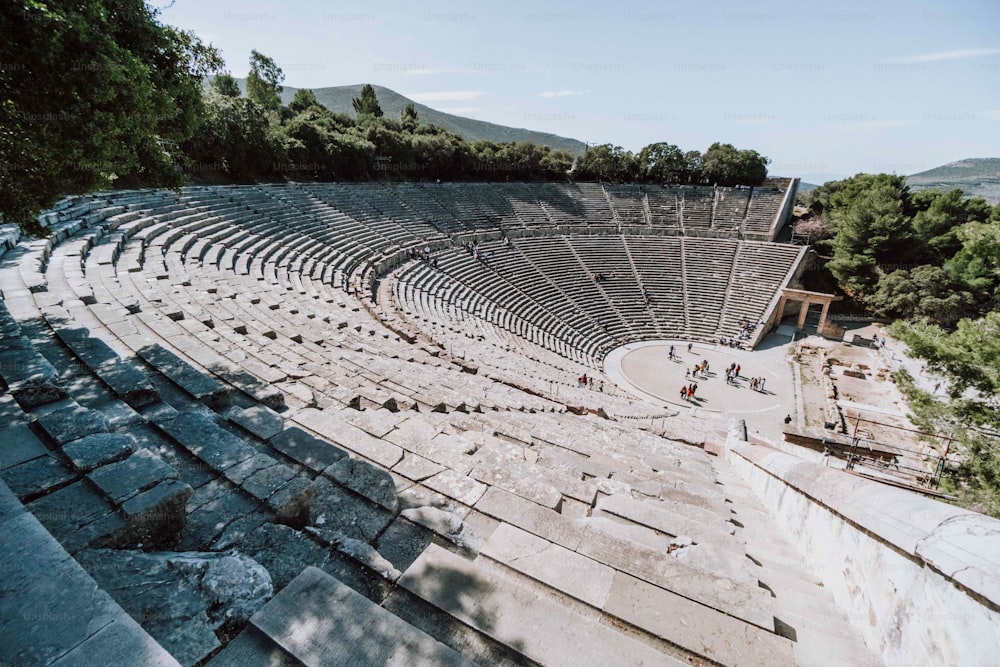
(523, 618)
(53, 612)
(187, 377)
(738, 597)
(319, 621)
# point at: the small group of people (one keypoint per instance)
(688, 391)
(423, 255)
(584, 381)
(757, 384)
(732, 372)
(747, 328)
(699, 369)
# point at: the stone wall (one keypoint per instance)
(919, 578)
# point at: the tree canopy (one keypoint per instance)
(662, 162)
(94, 93)
(366, 105)
(264, 81)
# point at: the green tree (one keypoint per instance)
(303, 100)
(661, 163)
(969, 360)
(939, 217)
(872, 234)
(725, 165)
(366, 105)
(225, 84)
(237, 138)
(92, 93)
(607, 162)
(264, 81)
(926, 292)
(409, 118)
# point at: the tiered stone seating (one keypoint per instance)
(407, 507)
(629, 204)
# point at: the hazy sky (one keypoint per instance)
(824, 89)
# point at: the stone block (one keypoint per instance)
(194, 382)
(262, 421)
(32, 380)
(124, 479)
(94, 451)
(205, 439)
(72, 422)
(365, 479)
(335, 508)
(70, 508)
(37, 476)
(377, 637)
(306, 449)
(18, 444)
(290, 503)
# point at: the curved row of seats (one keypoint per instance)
(581, 296)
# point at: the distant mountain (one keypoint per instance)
(338, 99)
(806, 187)
(978, 177)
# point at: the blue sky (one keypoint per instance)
(824, 89)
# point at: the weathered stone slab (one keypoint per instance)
(127, 382)
(334, 508)
(262, 421)
(70, 508)
(521, 479)
(521, 617)
(351, 437)
(738, 598)
(121, 642)
(264, 393)
(197, 384)
(463, 489)
(32, 380)
(18, 445)
(283, 551)
(694, 627)
(446, 524)
(374, 636)
(670, 519)
(154, 517)
(140, 471)
(72, 422)
(201, 436)
(205, 524)
(567, 571)
(183, 598)
(306, 449)
(264, 483)
(63, 613)
(94, 451)
(36, 476)
(402, 542)
(252, 647)
(416, 468)
(528, 516)
(240, 472)
(365, 479)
